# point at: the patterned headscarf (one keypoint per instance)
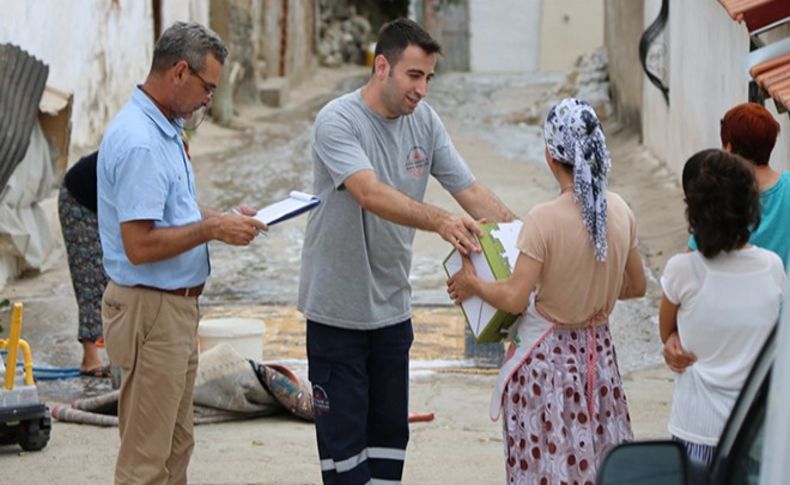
(574, 137)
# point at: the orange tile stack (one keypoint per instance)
(737, 8)
(757, 13)
(773, 75)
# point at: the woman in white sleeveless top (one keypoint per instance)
(722, 300)
(560, 389)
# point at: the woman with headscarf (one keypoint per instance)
(560, 387)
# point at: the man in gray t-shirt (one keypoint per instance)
(373, 151)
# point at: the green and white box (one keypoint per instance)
(495, 262)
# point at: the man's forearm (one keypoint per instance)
(395, 206)
(145, 243)
(492, 209)
(481, 203)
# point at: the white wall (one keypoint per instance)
(192, 10)
(74, 38)
(706, 78)
(569, 28)
(97, 49)
(504, 35)
(655, 112)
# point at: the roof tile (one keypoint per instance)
(757, 13)
(773, 75)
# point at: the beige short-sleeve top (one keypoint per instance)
(573, 287)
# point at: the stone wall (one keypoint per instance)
(343, 34)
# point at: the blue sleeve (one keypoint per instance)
(141, 186)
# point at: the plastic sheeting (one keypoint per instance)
(26, 238)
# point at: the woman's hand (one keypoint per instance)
(510, 295)
(676, 357)
(463, 284)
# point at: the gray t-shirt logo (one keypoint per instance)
(417, 161)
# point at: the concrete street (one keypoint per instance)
(461, 445)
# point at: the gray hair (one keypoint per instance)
(188, 41)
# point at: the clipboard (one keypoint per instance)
(296, 203)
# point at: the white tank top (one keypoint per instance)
(728, 306)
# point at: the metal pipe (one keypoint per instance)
(28, 359)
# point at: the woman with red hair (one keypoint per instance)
(750, 131)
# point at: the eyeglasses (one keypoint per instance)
(210, 88)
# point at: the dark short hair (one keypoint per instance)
(751, 131)
(722, 201)
(188, 41)
(397, 35)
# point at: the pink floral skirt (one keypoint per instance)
(562, 410)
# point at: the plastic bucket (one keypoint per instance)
(245, 335)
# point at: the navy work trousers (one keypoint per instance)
(360, 382)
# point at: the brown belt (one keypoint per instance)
(194, 291)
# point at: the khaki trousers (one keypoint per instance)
(152, 336)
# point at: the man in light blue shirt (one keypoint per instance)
(154, 238)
